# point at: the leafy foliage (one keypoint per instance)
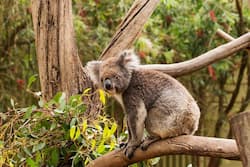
(55, 133)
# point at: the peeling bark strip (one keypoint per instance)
(240, 125)
(60, 68)
(130, 27)
(212, 56)
(189, 145)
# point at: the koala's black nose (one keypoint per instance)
(107, 84)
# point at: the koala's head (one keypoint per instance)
(113, 74)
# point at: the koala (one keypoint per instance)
(150, 99)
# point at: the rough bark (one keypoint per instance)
(60, 68)
(240, 125)
(189, 145)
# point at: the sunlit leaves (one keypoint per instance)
(74, 132)
(31, 163)
(102, 96)
(31, 80)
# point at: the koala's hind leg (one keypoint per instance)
(136, 115)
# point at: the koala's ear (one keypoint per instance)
(128, 59)
(93, 70)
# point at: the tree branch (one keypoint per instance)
(221, 52)
(244, 63)
(224, 35)
(189, 145)
(130, 27)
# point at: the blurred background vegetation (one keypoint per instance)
(177, 31)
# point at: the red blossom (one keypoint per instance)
(82, 13)
(168, 19)
(20, 83)
(211, 72)
(212, 16)
(142, 54)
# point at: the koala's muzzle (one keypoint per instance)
(107, 84)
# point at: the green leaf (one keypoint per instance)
(84, 125)
(112, 145)
(134, 165)
(102, 96)
(154, 161)
(31, 163)
(38, 147)
(41, 102)
(12, 103)
(169, 56)
(105, 134)
(28, 113)
(31, 80)
(1, 144)
(86, 161)
(53, 126)
(93, 144)
(60, 98)
(3, 116)
(73, 122)
(27, 151)
(101, 147)
(11, 164)
(86, 91)
(38, 157)
(78, 133)
(113, 128)
(54, 160)
(58, 111)
(74, 133)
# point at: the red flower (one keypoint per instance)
(211, 72)
(168, 19)
(20, 83)
(212, 16)
(142, 54)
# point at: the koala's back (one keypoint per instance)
(171, 110)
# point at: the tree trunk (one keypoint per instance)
(240, 125)
(60, 68)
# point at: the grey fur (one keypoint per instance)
(151, 99)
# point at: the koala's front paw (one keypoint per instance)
(129, 151)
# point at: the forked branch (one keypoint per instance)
(189, 145)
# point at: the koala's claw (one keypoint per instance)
(123, 145)
(129, 151)
(144, 146)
